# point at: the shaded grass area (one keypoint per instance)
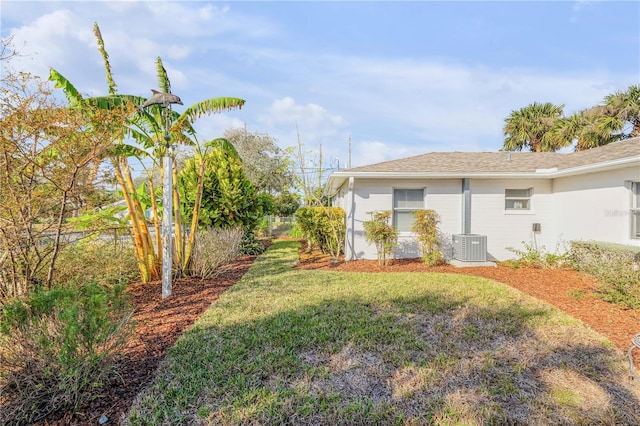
(321, 347)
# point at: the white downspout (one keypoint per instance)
(349, 251)
(466, 206)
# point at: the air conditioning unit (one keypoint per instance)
(469, 247)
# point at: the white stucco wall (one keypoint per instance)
(443, 196)
(506, 229)
(488, 216)
(586, 207)
(596, 207)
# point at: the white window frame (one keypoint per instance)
(406, 209)
(635, 210)
(518, 199)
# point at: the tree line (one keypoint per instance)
(543, 127)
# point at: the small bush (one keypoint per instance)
(251, 245)
(214, 247)
(102, 262)
(58, 347)
(263, 228)
(379, 232)
(296, 232)
(615, 267)
(538, 257)
(426, 226)
(323, 227)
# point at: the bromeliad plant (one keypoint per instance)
(426, 228)
(382, 234)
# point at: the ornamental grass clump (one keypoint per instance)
(58, 347)
(426, 228)
(379, 232)
(215, 247)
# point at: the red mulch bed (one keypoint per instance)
(160, 322)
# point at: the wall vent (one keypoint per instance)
(469, 247)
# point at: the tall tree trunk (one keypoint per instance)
(156, 219)
(195, 217)
(635, 132)
(56, 240)
(145, 253)
(177, 219)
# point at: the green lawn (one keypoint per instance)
(328, 348)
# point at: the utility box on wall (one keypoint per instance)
(469, 247)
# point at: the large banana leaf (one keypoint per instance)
(163, 78)
(125, 150)
(113, 101)
(224, 145)
(206, 107)
(147, 123)
(72, 94)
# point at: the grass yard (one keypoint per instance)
(325, 348)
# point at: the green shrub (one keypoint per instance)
(615, 266)
(58, 347)
(538, 257)
(251, 245)
(323, 227)
(296, 231)
(426, 226)
(263, 228)
(379, 232)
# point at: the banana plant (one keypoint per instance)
(144, 135)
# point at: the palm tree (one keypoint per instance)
(625, 106)
(529, 126)
(147, 128)
(588, 128)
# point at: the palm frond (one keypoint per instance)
(182, 139)
(151, 123)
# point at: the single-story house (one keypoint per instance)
(500, 200)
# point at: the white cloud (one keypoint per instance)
(286, 111)
(391, 106)
(213, 126)
(285, 119)
(577, 8)
(446, 105)
(47, 39)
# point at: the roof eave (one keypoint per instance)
(340, 177)
(599, 167)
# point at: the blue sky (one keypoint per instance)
(399, 78)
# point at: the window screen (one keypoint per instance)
(405, 202)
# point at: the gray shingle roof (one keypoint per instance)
(505, 162)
